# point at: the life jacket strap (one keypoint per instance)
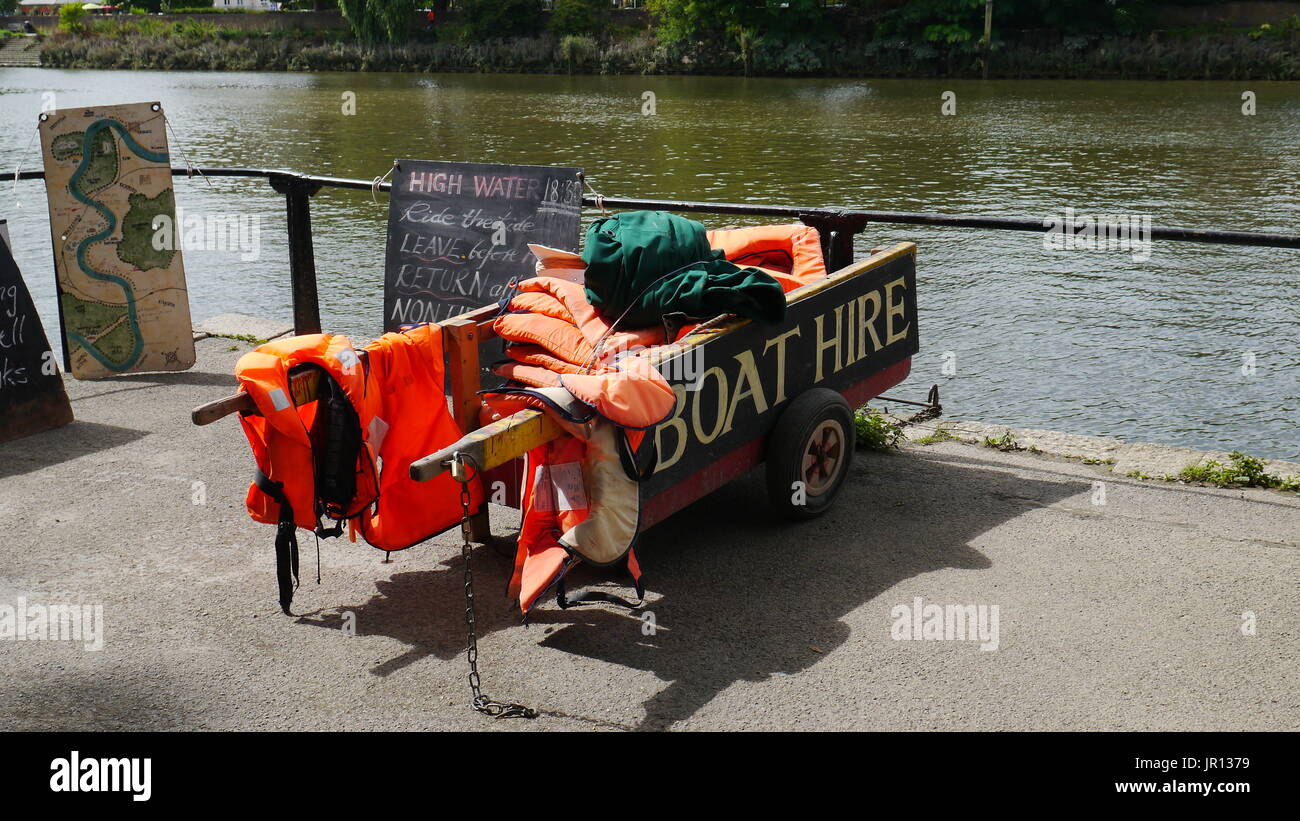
(599, 596)
(286, 540)
(638, 464)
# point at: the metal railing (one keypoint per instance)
(837, 226)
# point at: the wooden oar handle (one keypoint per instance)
(302, 389)
(212, 411)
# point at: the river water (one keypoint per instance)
(1195, 345)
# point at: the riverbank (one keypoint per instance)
(205, 46)
(1152, 607)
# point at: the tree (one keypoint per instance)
(71, 18)
(738, 22)
(8, 6)
(376, 21)
(491, 19)
(575, 16)
(710, 20)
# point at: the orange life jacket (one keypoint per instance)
(561, 350)
(577, 503)
(557, 338)
(346, 456)
(792, 254)
(408, 369)
(580, 497)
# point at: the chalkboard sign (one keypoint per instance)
(458, 233)
(31, 390)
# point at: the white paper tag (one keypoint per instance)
(559, 487)
(279, 400)
(376, 432)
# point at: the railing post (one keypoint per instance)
(837, 232)
(302, 257)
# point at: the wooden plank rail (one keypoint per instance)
(492, 445)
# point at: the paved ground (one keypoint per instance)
(1122, 616)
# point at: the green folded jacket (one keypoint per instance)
(644, 264)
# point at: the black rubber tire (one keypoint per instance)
(791, 441)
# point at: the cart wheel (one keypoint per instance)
(812, 444)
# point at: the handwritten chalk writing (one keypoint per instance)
(9, 301)
(567, 192)
(432, 245)
(11, 374)
(11, 331)
(458, 232)
(479, 218)
(423, 213)
(446, 281)
(435, 183)
(415, 311)
(485, 252)
(519, 188)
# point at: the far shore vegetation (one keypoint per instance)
(1104, 39)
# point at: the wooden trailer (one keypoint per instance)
(746, 393)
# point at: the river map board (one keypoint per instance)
(123, 303)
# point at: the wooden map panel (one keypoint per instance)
(123, 302)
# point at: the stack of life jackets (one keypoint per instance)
(345, 457)
(580, 497)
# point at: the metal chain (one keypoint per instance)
(480, 702)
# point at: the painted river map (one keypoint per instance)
(123, 301)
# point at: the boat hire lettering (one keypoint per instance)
(734, 389)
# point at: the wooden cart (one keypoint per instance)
(747, 393)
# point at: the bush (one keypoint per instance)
(573, 17)
(498, 19)
(1245, 471)
(72, 18)
(578, 51)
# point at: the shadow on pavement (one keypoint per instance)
(744, 597)
(741, 595)
(425, 609)
(71, 441)
(143, 381)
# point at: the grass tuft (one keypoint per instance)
(1244, 471)
(875, 431)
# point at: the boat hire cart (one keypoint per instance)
(743, 392)
(746, 392)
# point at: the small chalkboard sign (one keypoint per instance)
(31, 389)
(458, 233)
